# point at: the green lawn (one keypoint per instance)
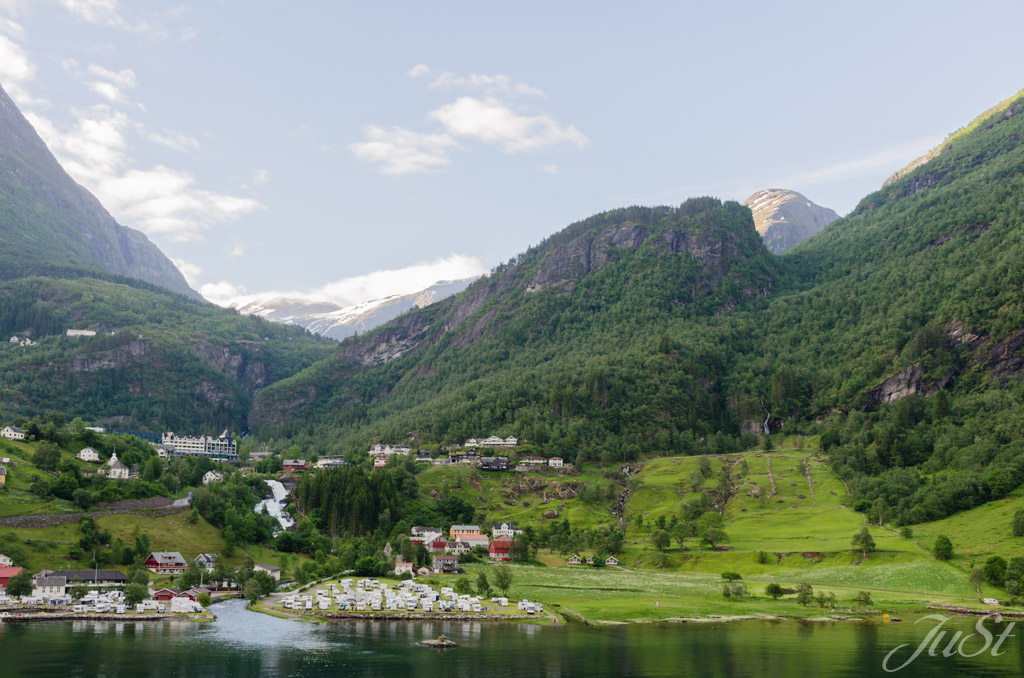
(978, 533)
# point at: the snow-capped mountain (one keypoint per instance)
(338, 322)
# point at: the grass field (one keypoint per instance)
(978, 533)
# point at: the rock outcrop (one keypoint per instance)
(786, 218)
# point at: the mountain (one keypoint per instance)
(338, 322)
(568, 343)
(786, 218)
(158, 360)
(50, 225)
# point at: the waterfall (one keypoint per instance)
(275, 505)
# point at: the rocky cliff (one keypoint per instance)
(786, 218)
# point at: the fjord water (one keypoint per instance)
(244, 643)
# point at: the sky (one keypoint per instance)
(344, 151)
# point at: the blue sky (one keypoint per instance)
(350, 150)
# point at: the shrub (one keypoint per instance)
(943, 548)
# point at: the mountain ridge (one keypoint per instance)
(48, 222)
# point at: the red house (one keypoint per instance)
(294, 465)
(6, 573)
(501, 549)
(166, 594)
(165, 562)
(438, 545)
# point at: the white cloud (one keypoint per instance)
(361, 288)
(492, 84)
(399, 151)
(15, 70)
(101, 12)
(548, 169)
(188, 34)
(160, 200)
(262, 177)
(13, 6)
(174, 141)
(122, 78)
(11, 28)
(492, 122)
(236, 250)
(418, 70)
(190, 271)
(222, 293)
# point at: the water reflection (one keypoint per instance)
(244, 643)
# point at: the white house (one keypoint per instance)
(611, 561)
(12, 433)
(273, 570)
(5, 561)
(508, 529)
(401, 568)
(49, 587)
(88, 454)
(81, 333)
(379, 450)
(207, 561)
(555, 462)
(213, 477)
(574, 560)
(115, 469)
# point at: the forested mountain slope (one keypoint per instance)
(563, 345)
(612, 340)
(158, 361)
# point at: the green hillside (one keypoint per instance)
(158, 361)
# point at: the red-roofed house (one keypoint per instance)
(501, 549)
(6, 573)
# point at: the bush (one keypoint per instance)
(773, 591)
(764, 558)
(1018, 523)
(731, 576)
(943, 548)
(804, 594)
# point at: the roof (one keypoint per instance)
(268, 568)
(9, 572)
(474, 528)
(439, 557)
(171, 557)
(52, 581)
(294, 462)
(15, 429)
(3, 470)
(90, 575)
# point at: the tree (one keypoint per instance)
(995, 570)
(20, 585)
(503, 578)
(1018, 523)
(135, 594)
(863, 598)
(47, 456)
(734, 590)
(731, 576)
(864, 541)
(660, 539)
(906, 532)
(713, 536)
(483, 587)
(141, 576)
(804, 594)
(976, 578)
(681, 532)
(462, 586)
(251, 590)
(943, 548)
(82, 498)
(773, 591)
(204, 599)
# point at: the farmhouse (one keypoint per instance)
(88, 454)
(474, 540)
(611, 561)
(12, 433)
(574, 560)
(402, 567)
(294, 465)
(501, 549)
(5, 561)
(207, 561)
(165, 562)
(555, 462)
(6, 573)
(213, 477)
(273, 570)
(49, 586)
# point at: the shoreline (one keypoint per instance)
(23, 618)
